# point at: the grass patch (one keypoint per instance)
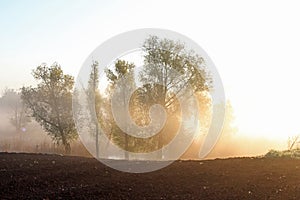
(294, 153)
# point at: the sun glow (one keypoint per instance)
(257, 56)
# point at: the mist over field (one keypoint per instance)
(33, 139)
(149, 100)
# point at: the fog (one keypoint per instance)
(32, 138)
(240, 145)
(35, 140)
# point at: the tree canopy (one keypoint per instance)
(51, 103)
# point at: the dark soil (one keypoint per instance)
(37, 176)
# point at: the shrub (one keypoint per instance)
(294, 153)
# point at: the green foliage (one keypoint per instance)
(294, 153)
(121, 68)
(169, 67)
(166, 59)
(170, 63)
(51, 103)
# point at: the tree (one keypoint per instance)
(20, 117)
(51, 103)
(170, 68)
(94, 103)
(170, 72)
(293, 141)
(114, 76)
(229, 127)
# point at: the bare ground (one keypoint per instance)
(38, 176)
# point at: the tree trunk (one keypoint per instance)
(160, 146)
(68, 148)
(162, 101)
(126, 154)
(97, 141)
(66, 145)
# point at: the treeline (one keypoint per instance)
(170, 72)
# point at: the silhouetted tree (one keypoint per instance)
(51, 103)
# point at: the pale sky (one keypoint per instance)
(255, 46)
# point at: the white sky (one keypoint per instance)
(255, 45)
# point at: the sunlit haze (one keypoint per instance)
(254, 45)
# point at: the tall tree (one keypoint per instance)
(169, 64)
(94, 103)
(51, 103)
(121, 68)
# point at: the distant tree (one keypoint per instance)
(51, 103)
(229, 127)
(20, 113)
